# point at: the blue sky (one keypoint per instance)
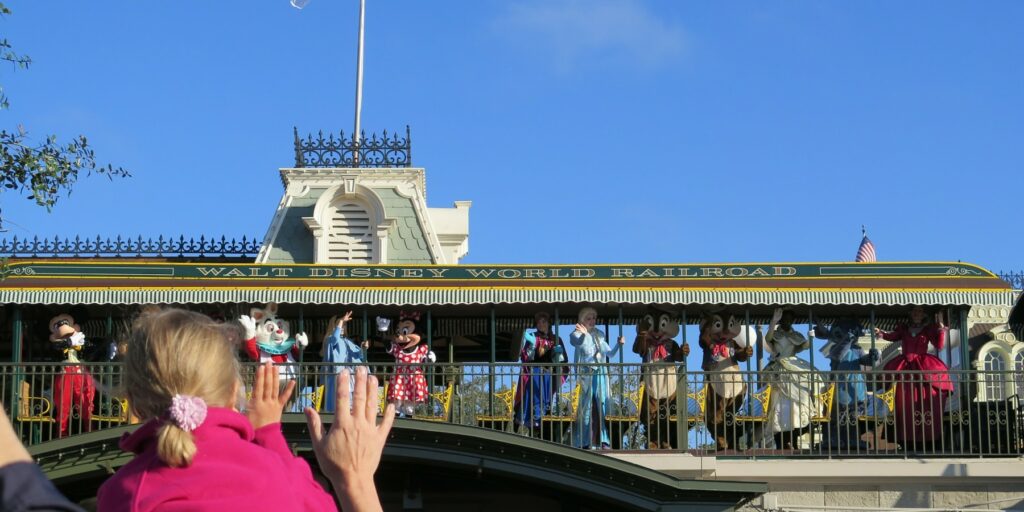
(651, 131)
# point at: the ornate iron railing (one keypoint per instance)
(385, 150)
(772, 413)
(1014, 279)
(119, 247)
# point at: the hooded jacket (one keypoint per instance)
(234, 468)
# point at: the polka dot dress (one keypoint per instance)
(408, 382)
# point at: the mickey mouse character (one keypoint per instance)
(73, 387)
(408, 385)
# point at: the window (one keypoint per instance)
(349, 232)
(999, 365)
(994, 365)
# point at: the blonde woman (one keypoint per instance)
(592, 352)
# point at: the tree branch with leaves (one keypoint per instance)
(42, 171)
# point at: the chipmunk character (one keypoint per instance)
(722, 355)
(268, 338)
(73, 387)
(408, 386)
(656, 345)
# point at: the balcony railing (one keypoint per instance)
(645, 407)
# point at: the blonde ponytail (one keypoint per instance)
(177, 355)
(174, 446)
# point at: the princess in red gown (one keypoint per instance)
(921, 379)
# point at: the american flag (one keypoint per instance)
(866, 251)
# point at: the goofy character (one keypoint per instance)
(73, 388)
(408, 386)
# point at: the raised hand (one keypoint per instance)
(383, 324)
(938, 320)
(345, 318)
(580, 328)
(250, 326)
(349, 452)
(776, 316)
(267, 404)
(622, 340)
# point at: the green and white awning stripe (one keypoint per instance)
(427, 297)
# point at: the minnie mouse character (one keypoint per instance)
(267, 338)
(73, 387)
(408, 386)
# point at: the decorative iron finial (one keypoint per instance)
(362, 150)
(300, 162)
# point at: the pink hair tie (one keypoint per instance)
(187, 412)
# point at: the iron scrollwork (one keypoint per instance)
(384, 150)
(1014, 279)
(119, 247)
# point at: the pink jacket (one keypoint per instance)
(235, 468)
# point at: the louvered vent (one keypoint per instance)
(350, 237)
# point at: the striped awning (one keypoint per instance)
(469, 296)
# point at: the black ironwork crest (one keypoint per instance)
(384, 150)
(1014, 279)
(119, 247)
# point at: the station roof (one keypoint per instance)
(109, 281)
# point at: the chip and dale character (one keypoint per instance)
(74, 387)
(724, 347)
(655, 344)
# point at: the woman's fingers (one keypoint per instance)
(342, 402)
(316, 427)
(359, 394)
(371, 399)
(386, 422)
(257, 388)
(273, 383)
(287, 393)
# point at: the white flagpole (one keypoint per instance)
(359, 81)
